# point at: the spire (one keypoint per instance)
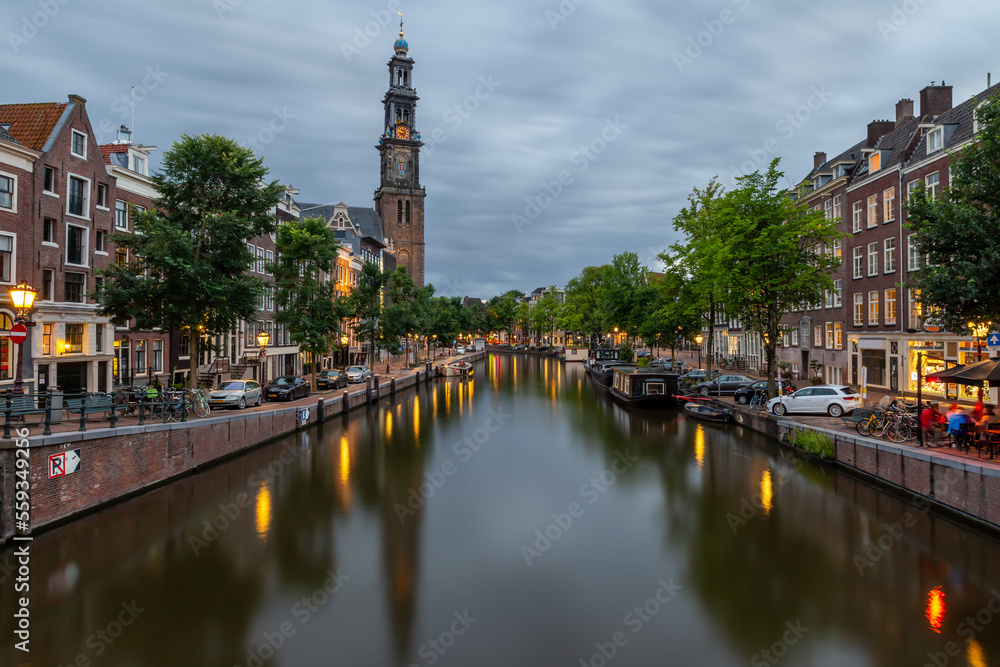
(401, 46)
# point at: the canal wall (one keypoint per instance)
(121, 462)
(962, 486)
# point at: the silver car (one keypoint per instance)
(235, 394)
(358, 373)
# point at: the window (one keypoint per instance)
(828, 298)
(269, 294)
(139, 164)
(76, 245)
(74, 287)
(873, 258)
(916, 310)
(6, 258)
(933, 183)
(828, 209)
(253, 253)
(838, 336)
(99, 242)
(911, 187)
(140, 356)
(912, 253)
(935, 139)
(795, 337)
(46, 339)
(859, 309)
(157, 356)
(48, 285)
(407, 212)
(829, 335)
(837, 212)
(99, 338)
(399, 212)
(74, 338)
(79, 144)
(184, 344)
(7, 192)
(838, 292)
(260, 260)
(872, 211)
(873, 307)
(102, 195)
(121, 214)
(50, 180)
(859, 261)
(838, 251)
(48, 230)
(817, 336)
(889, 205)
(874, 162)
(890, 306)
(78, 193)
(121, 256)
(270, 260)
(889, 255)
(98, 286)
(856, 217)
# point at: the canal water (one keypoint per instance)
(518, 517)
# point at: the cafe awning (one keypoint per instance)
(987, 370)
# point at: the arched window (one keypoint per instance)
(399, 213)
(406, 115)
(407, 212)
(406, 78)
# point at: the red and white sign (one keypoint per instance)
(66, 463)
(18, 333)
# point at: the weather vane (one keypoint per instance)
(400, 23)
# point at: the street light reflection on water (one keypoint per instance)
(433, 526)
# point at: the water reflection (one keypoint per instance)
(424, 530)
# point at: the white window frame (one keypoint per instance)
(86, 196)
(13, 259)
(838, 251)
(818, 335)
(828, 209)
(85, 246)
(932, 190)
(838, 335)
(838, 293)
(124, 211)
(889, 205)
(890, 318)
(911, 187)
(889, 255)
(260, 259)
(873, 314)
(100, 242)
(856, 225)
(55, 177)
(874, 162)
(859, 309)
(13, 192)
(935, 140)
(72, 142)
(859, 261)
(829, 335)
(912, 253)
(269, 258)
(836, 207)
(102, 188)
(873, 259)
(872, 219)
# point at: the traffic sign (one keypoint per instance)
(993, 340)
(18, 333)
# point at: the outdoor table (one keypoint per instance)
(992, 439)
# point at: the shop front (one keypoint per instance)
(938, 355)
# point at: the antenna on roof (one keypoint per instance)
(133, 111)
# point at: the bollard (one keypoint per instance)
(83, 414)
(48, 414)
(320, 416)
(378, 382)
(345, 403)
(392, 386)
(142, 413)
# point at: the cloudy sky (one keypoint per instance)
(630, 103)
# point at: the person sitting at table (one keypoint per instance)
(990, 417)
(932, 424)
(956, 417)
(977, 412)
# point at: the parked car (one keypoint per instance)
(724, 384)
(460, 349)
(521, 346)
(833, 399)
(672, 365)
(744, 394)
(699, 375)
(236, 394)
(331, 379)
(639, 354)
(286, 388)
(358, 373)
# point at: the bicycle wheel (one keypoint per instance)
(864, 426)
(200, 404)
(898, 432)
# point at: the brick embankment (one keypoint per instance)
(957, 481)
(120, 462)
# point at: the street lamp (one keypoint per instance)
(263, 338)
(698, 339)
(979, 331)
(23, 297)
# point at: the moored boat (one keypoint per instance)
(601, 372)
(707, 412)
(643, 387)
(456, 369)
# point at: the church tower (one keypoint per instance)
(399, 199)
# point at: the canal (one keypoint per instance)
(513, 518)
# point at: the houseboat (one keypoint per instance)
(575, 353)
(643, 387)
(600, 372)
(599, 354)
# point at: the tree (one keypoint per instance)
(958, 232)
(581, 309)
(382, 302)
(501, 311)
(189, 252)
(545, 312)
(307, 301)
(775, 250)
(623, 293)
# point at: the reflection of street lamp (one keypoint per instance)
(23, 298)
(263, 339)
(698, 339)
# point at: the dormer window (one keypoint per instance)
(935, 140)
(139, 165)
(78, 146)
(874, 162)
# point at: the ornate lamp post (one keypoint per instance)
(980, 331)
(698, 339)
(263, 338)
(23, 298)
(343, 343)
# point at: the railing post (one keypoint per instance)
(184, 413)
(83, 413)
(142, 412)
(6, 419)
(48, 413)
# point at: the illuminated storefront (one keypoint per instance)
(938, 355)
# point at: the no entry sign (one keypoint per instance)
(18, 333)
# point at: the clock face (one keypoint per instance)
(402, 132)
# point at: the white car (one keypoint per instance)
(833, 399)
(460, 349)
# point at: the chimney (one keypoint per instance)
(904, 111)
(76, 99)
(819, 159)
(935, 100)
(877, 129)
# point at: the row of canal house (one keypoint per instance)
(62, 196)
(873, 319)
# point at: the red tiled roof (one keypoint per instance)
(108, 149)
(32, 124)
